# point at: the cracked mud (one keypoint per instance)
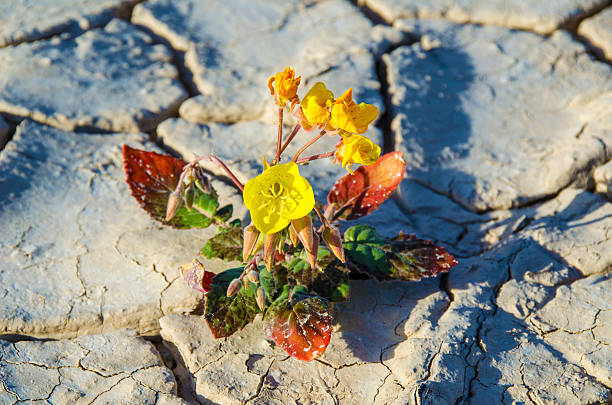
(508, 138)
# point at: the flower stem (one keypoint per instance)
(237, 182)
(290, 137)
(218, 161)
(315, 157)
(280, 135)
(303, 148)
(321, 216)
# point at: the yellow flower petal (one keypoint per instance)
(357, 149)
(350, 116)
(315, 105)
(277, 196)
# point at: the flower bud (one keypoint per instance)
(234, 287)
(303, 229)
(253, 276)
(261, 298)
(251, 234)
(293, 236)
(201, 180)
(333, 240)
(174, 203)
(312, 254)
(189, 196)
(283, 86)
(270, 245)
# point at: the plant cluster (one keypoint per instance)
(294, 259)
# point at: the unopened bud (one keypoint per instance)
(293, 236)
(312, 254)
(261, 298)
(251, 234)
(303, 228)
(201, 180)
(174, 203)
(270, 245)
(189, 196)
(333, 240)
(253, 276)
(234, 287)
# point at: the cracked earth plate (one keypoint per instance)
(79, 254)
(117, 367)
(494, 118)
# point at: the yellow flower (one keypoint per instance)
(277, 196)
(350, 116)
(356, 149)
(285, 86)
(315, 106)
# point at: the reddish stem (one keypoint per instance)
(290, 137)
(315, 157)
(303, 148)
(280, 135)
(321, 216)
(215, 159)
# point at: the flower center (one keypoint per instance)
(277, 199)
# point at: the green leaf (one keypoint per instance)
(226, 245)
(224, 213)
(207, 203)
(272, 282)
(193, 218)
(330, 279)
(402, 258)
(300, 323)
(152, 177)
(226, 315)
(364, 248)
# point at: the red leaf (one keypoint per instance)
(415, 258)
(301, 327)
(356, 195)
(151, 177)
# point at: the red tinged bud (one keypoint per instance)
(249, 247)
(234, 287)
(270, 245)
(333, 240)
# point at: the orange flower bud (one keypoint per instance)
(284, 85)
